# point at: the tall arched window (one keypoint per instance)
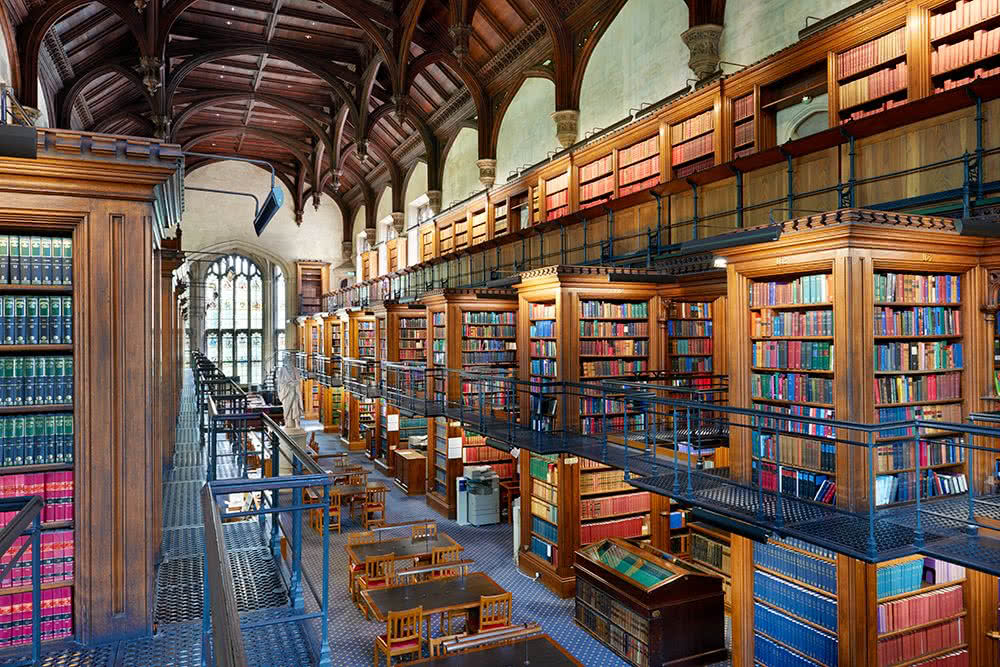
(234, 317)
(279, 309)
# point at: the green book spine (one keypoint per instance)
(29, 440)
(18, 442)
(4, 258)
(46, 260)
(57, 269)
(31, 306)
(25, 243)
(51, 378)
(20, 307)
(44, 336)
(68, 383)
(8, 441)
(55, 320)
(67, 320)
(30, 376)
(50, 438)
(18, 381)
(67, 271)
(69, 450)
(14, 260)
(36, 260)
(8, 316)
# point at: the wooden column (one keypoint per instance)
(101, 189)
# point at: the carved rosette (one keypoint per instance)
(460, 36)
(703, 43)
(487, 171)
(346, 251)
(434, 201)
(149, 68)
(398, 220)
(567, 121)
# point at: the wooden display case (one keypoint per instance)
(331, 398)
(359, 341)
(649, 607)
(312, 279)
(410, 471)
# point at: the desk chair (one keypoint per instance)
(494, 611)
(402, 636)
(379, 573)
(355, 569)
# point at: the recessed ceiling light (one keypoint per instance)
(216, 115)
(312, 23)
(213, 143)
(232, 9)
(229, 22)
(309, 36)
(221, 76)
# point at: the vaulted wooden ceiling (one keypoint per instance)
(342, 95)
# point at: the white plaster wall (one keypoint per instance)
(757, 28)
(640, 58)
(527, 131)
(211, 219)
(383, 206)
(461, 175)
(802, 119)
(5, 73)
(416, 187)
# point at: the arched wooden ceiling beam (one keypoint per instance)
(431, 144)
(74, 87)
(364, 14)
(365, 94)
(408, 26)
(282, 53)
(131, 115)
(701, 12)
(42, 17)
(215, 98)
(202, 133)
(339, 124)
(562, 51)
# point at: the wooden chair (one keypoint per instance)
(402, 636)
(334, 512)
(374, 504)
(437, 644)
(440, 556)
(422, 532)
(354, 568)
(379, 573)
(494, 611)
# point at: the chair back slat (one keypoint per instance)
(360, 537)
(380, 567)
(443, 555)
(494, 610)
(403, 626)
(424, 531)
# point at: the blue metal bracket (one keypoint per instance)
(694, 220)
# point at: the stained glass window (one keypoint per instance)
(234, 317)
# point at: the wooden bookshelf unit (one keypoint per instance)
(557, 196)
(639, 166)
(744, 138)
(596, 181)
(873, 76)
(692, 143)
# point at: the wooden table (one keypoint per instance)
(537, 650)
(402, 548)
(436, 596)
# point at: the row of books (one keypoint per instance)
(439, 344)
(795, 451)
(804, 603)
(806, 639)
(16, 616)
(543, 348)
(543, 328)
(599, 508)
(792, 354)
(805, 289)
(600, 406)
(965, 13)
(556, 212)
(802, 545)
(558, 182)
(858, 114)
(639, 171)
(544, 550)
(36, 260)
(766, 652)
(914, 288)
(544, 367)
(690, 310)
(899, 578)
(592, 425)
(418, 323)
(691, 127)
(919, 356)
(915, 388)
(921, 642)
(615, 348)
(603, 187)
(545, 529)
(592, 329)
(707, 550)
(437, 319)
(901, 455)
(633, 650)
(415, 354)
(58, 560)
(36, 439)
(792, 323)
(814, 571)
(496, 331)
(625, 190)
(595, 169)
(612, 368)
(781, 423)
(943, 413)
(692, 150)
(902, 487)
(55, 488)
(743, 108)
(614, 610)
(919, 609)
(636, 526)
(691, 364)
(504, 470)
(743, 134)
(978, 73)
(544, 469)
(489, 317)
(556, 200)
(608, 309)
(794, 482)
(488, 345)
(696, 166)
(36, 320)
(918, 321)
(499, 357)
(545, 510)
(870, 54)
(942, 572)
(691, 346)
(541, 311)
(982, 44)
(873, 86)
(791, 387)
(604, 481)
(478, 453)
(642, 150)
(36, 380)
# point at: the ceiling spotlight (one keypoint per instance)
(229, 22)
(309, 36)
(221, 76)
(233, 9)
(216, 115)
(312, 23)
(213, 143)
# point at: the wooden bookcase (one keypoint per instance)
(692, 144)
(312, 279)
(331, 398)
(110, 195)
(501, 220)
(596, 181)
(359, 341)
(963, 42)
(473, 330)
(639, 165)
(711, 548)
(744, 126)
(843, 271)
(557, 195)
(478, 228)
(873, 76)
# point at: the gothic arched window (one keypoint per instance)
(234, 317)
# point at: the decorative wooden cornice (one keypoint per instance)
(859, 216)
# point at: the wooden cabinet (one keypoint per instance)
(649, 607)
(410, 468)
(312, 282)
